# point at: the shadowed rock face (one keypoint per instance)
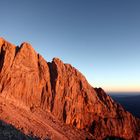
(29, 82)
(8, 132)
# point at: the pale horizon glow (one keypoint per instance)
(127, 89)
(117, 88)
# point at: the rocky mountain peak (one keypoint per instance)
(27, 48)
(34, 86)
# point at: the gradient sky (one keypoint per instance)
(101, 38)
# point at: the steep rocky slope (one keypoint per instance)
(30, 86)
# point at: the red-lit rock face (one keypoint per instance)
(28, 82)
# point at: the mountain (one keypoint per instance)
(53, 100)
(130, 102)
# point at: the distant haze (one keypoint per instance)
(101, 38)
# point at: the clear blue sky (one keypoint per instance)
(101, 38)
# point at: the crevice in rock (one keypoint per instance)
(17, 50)
(42, 97)
(92, 127)
(81, 85)
(2, 55)
(53, 76)
(39, 66)
(75, 123)
(64, 112)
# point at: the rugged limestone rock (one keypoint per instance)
(24, 76)
(28, 82)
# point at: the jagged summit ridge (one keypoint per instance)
(30, 82)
